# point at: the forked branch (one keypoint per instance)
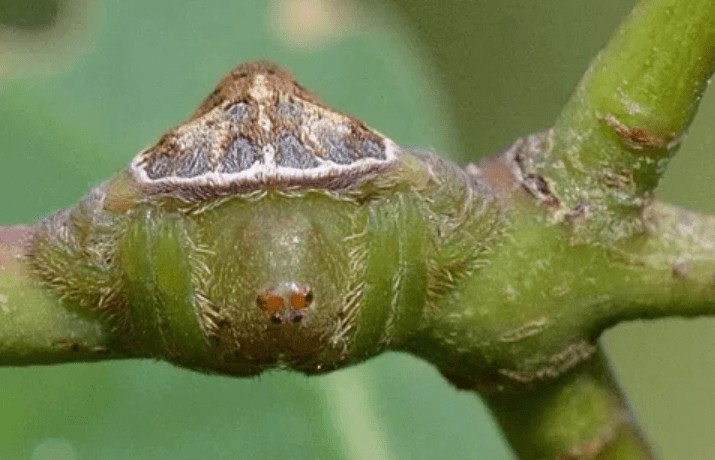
(270, 230)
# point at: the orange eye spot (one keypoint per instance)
(300, 300)
(271, 303)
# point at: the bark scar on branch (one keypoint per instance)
(636, 138)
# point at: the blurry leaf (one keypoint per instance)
(508, 66)
(29, 14)
(314, 23)
(41, 35)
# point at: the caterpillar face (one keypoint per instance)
(272, 280)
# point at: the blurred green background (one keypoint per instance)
(85, 84)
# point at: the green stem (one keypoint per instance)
(516, 296)
(669, 271)
(614, 138)
(580, 416)
(35, 326)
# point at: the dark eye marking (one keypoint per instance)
(286, 303)
(301, 298)
(272, 304)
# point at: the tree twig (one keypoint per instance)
(36, 327)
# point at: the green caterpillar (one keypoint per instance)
(270, 230)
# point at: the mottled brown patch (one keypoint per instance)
(497, 174)
(260, 129)
(235, 86)
(638, 138)
(520, 158)
(618, 179)
(540, 189)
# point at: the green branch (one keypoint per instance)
(670, 270)
(614, 138)
(230, 247)
(582, 415)
(585, 247)
(35, 326)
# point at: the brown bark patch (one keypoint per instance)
(637, 138)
